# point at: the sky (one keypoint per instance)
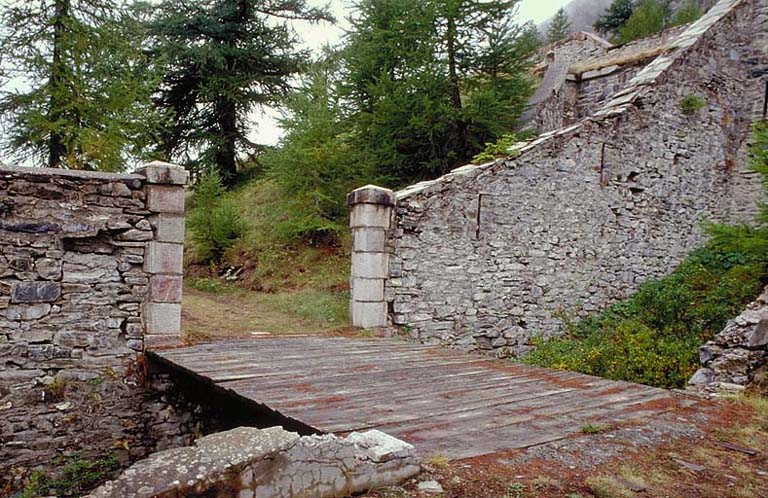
(265, 129)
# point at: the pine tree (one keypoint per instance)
(687, 13)
(82, 87)
(749, 239)
(615, 17)
(224, 59)
(559, 27)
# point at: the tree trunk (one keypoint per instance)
(453, 75)
(226, 152)
(56, 148)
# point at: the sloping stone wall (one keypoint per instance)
(485, 256)
(90, 274)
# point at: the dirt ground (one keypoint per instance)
(718, 452)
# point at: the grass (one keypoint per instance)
(282, 288)
(608, 487)
(594, 428)
(77, 476)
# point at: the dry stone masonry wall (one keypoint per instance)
(90, 275)
(485, 256)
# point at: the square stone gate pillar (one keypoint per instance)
(370, 217)
(164, 189)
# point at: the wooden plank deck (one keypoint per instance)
(443, 401)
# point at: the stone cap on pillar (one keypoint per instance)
(371, 194)
(163, 173)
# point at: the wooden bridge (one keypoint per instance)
(443, 401)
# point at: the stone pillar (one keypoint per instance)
(164, 189)
(370, 215)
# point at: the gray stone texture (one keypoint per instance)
(484, 257)
(73, 290)
(738, 355)
(270, 463)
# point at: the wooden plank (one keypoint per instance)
(444, 401)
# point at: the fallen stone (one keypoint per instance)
(702, 377)
(269, 463)
(430, 487)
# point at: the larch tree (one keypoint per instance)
(432, 81)
(75, 89)
(559, 27)
(223, 60)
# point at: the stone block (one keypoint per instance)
(35, 292)
(368, 315)
(367, 290)
(164, 173)
(165, 199)
(370, 264)
(27, 311)
(169, 228)
(164, 257)
(370, 215)
(162, 318)
(371, 194)
(165, 288)
(158, 341)
(758, 338)
(368, 240)
(48, 268)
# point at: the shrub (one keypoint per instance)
(653, 337)
(214, 221)
(692, 103)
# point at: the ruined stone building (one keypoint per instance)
(612, 193)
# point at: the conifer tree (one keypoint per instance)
(224, 59)
(650, 16)
(76, 89)
(615, 17)
(432, 81)
(559, 27)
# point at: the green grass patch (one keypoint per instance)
(77, 476)
(653, 337)
(312, 305)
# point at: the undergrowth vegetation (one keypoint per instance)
(653, 337)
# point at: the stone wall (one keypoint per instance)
(739, 354)
(90, 275)
(485, 256)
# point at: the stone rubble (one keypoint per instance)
(269, 463)
(738, 356)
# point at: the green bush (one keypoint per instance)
(214, 221)
(653, 337)
(501, 147)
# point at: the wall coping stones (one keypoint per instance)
(371, 194)
(269, 463)
(70, 173)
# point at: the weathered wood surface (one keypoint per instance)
(443, 401)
